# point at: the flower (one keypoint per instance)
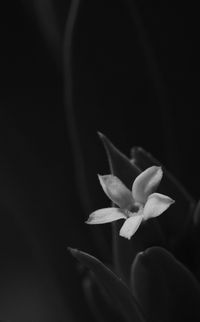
(135, 206)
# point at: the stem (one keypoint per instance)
(70, 117)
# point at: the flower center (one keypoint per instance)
(135, 208)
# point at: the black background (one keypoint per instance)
(135, 78)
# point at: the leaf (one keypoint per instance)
(165, 289)
(81, 177)
(115, 287)
(181, 212)
(194, 245)
(98, 301)
(149, 234)
(196, 215)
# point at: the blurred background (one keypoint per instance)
(67, 70)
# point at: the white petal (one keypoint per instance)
(117, 191)
(130, 226)
(156, 204)
(105, 215)
(146, 183)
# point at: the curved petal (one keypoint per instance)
(130, 226)
(146, 183)
(117, 191)
(156, 204)
(105, 215)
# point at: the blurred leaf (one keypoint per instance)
(177, 219)
(79, 164)
(80, 175)
(165, 289)
(115, 287)
(98, 300)
(49, 22)
(149, 234)
(194, 246)
(93, 301)
(196, 215)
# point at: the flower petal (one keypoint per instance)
(105, 215)
(156, 204)
(130, 226)
(146, 183)
(117, 191)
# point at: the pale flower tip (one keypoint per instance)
(100, 177)
(171, 201)
(103, 179)
(159, 169)
(88, 221)
(125, 236)
(100, 134)
(73, 251)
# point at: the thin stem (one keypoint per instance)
(70, 117)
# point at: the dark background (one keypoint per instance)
(135, 73)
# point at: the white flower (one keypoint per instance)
(135, 206)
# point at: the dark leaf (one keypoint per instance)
(115, 287)
(165, 289)
(196, 215)
(100, 304)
